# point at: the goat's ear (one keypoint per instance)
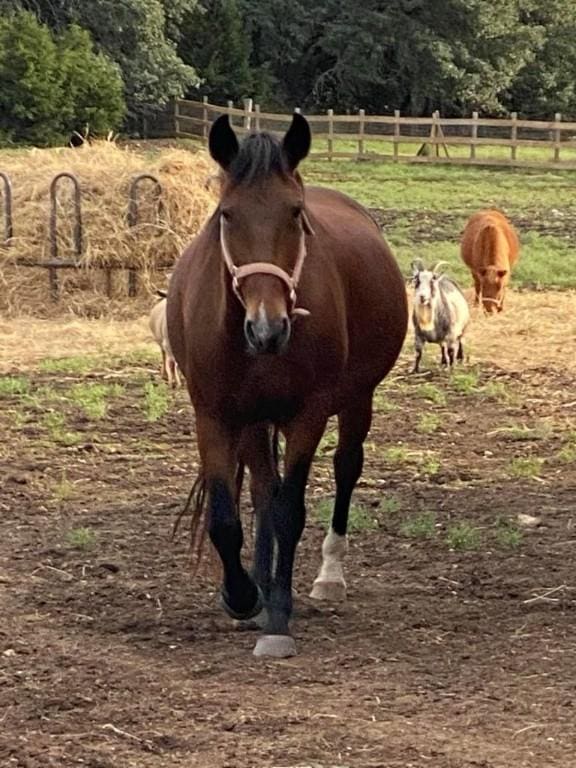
(417, 266)
(222, 142)
(296, 143)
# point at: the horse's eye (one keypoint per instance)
(296, 211)
(226, 214)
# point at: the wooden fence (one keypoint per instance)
(396, 138)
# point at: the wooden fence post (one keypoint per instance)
(205, 119)
(330, 133)
(557, 136)
(229, 106)
(474, 136)
(177, 117)
(396, 139)
(362, 114)
(257, 117)
(247, 114)
(514, 136)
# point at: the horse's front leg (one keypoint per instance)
(218, 447)
(288, 514)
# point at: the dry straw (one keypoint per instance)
(105, 172)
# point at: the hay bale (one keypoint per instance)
(105, 172)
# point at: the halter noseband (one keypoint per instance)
(265, 268)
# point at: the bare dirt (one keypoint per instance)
(112, 656)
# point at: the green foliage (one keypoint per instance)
(93, 398)
(14, 385)
(463, 536)
(52, 84)
(81, 538)
(422, 526)
(155, 400)
(359, 518)
(525, 467)
(214, 43)
(92, 83)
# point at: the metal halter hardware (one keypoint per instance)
(265, 268)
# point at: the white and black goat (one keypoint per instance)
(440, 313)
(169, 369)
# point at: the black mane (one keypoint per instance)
(260, 155)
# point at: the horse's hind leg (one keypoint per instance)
(353, 424)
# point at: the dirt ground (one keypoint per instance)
(456, 647)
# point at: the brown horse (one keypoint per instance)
(490, 248)
(287, 308)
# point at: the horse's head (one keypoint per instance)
(262, 226)
(493, 281)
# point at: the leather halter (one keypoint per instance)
(266, 268)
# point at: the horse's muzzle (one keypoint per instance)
(267, 336)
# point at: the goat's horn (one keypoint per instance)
(437, 265)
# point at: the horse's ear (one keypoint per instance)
(296, 143)
(222, 142)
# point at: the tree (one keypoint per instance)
(92, 84)
(213, 41)
(51, 85)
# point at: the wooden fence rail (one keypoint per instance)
(462, 141)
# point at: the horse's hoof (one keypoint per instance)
(255, 623)
(276, 646)
(334, 591)
(246, 615)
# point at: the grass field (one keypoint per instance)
(424, 208)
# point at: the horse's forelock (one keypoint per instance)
(260, 155)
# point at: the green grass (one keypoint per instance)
(429, 464)
(463, 537)
(156, 400)
(11, 386)
(93, 398)
(81, 538)
(465, 382)
(508, 535)
(431, 392)
(71, 365)
(54, 423)
(397, 454)
(390, 506)
(525, 467)
(422, 526)
(63, 489)
(428, 423)
(431, 203)
(567, 454)
(359, 518)
(522, 433)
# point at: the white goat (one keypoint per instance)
(158, 326)
(440, 313)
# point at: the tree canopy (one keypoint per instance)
(413, 55)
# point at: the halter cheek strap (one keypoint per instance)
(265, 268)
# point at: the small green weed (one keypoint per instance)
(422, 526)
(428, 423)
(156, 400)
(81, 538)
(497, 390)
(431, 393)
(508, 535)
(63, 489)
(465, 382)
(55, 424)
(93, 398)
(525, 467)
(76, 364)
(567, 454)
(11, 386)
(429, 464)
(390, 506)
(523, 433)
(359, 518)
(397, 454)
(463, 537)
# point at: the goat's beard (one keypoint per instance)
(424, 315)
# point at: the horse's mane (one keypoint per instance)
(260, 155)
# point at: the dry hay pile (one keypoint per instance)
(105, 172)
